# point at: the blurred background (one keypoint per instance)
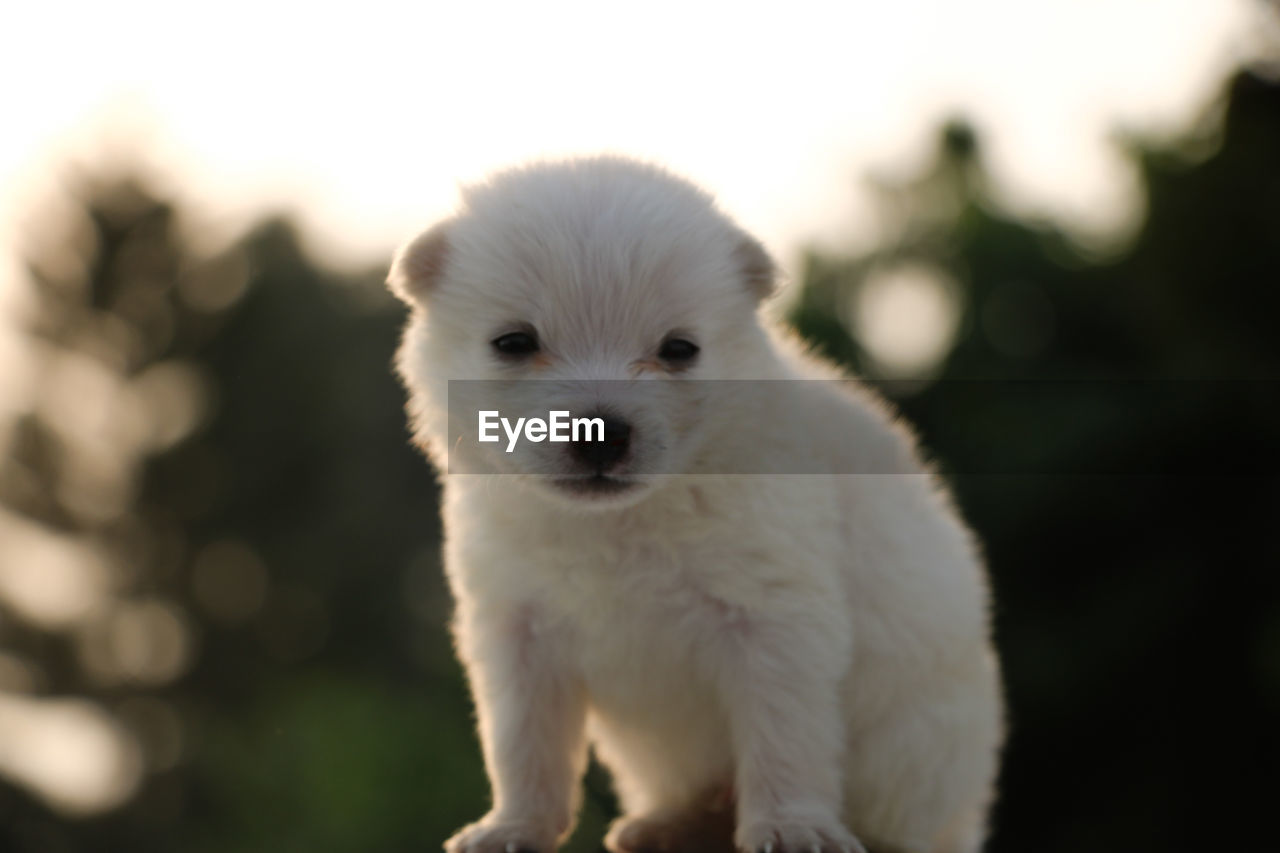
(1055, 226)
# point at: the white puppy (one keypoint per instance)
(751, 599)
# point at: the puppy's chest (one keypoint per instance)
(645, 617)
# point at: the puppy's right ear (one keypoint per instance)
(758, 270)
(419, 264)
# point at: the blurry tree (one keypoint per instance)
(1111, 428)
(218, 555)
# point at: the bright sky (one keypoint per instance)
(363, 117)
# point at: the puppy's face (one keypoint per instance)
(597, 288)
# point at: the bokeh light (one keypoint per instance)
(907, 317)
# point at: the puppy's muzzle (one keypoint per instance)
(600, 456)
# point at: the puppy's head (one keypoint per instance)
(596, 287)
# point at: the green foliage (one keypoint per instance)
(1122, 469)
(332, 762)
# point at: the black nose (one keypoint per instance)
(602, 455)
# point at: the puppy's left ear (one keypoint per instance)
(419, 264)
(758, 270)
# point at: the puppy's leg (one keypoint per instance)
(702, 826)
(673, 776)
(921, 777)
(531, 712)
(780, 687)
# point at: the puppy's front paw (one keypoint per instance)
(796, 836)
(496, 834)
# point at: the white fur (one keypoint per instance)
(811, 648)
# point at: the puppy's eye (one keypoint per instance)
(678, 350)
(515, 344)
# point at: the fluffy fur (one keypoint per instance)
(772, 661)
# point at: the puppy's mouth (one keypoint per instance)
(594, 485)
